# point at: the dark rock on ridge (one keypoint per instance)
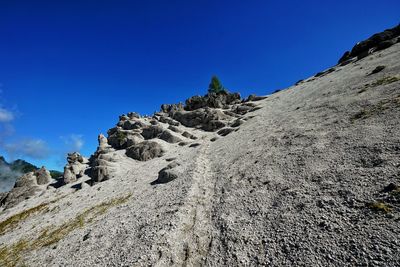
(207, 119)
(212, 100)
(144, 151)
(376, 42)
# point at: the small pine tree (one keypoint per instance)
(215, 86)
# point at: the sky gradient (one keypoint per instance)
(69, 68)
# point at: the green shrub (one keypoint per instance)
(216, 86)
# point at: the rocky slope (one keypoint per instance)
(308, 176)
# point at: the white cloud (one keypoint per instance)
(5, 115)
(32, 148)
(73, 142)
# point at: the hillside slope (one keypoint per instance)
(307, 177)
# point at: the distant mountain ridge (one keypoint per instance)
(9, 172)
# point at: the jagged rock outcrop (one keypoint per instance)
(376, 42)
(144, 151)
(27, 186)
(206, 119)
(75, 168)
(166, 108)
(212, 100)
(210, 112)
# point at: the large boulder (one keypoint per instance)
(167, 174)
(144, 151)
(195, 102)
(152, 131)
(167, 108)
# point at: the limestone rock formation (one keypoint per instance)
(144, 151)
(100, 161)
(75, 168)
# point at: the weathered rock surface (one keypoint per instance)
(75, 168)
(144, 151)
(26, 186)
(212, 100)
(100, 167)
(167, 174)
(206, 119)
(376, 42)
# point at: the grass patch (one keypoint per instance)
(376, 109)
(121, 136)
(380, 207)
(13, 221)
(11, 255)
(369, 111)
(383, 81)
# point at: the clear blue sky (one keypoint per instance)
(69, 68)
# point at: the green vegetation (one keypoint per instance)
(13, 221)
(380, 207)
(216, 86)
(23, 166)
(383, 81)
(380, 107)
(11, 255)
(55, 174)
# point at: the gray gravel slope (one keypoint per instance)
(294, 184)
